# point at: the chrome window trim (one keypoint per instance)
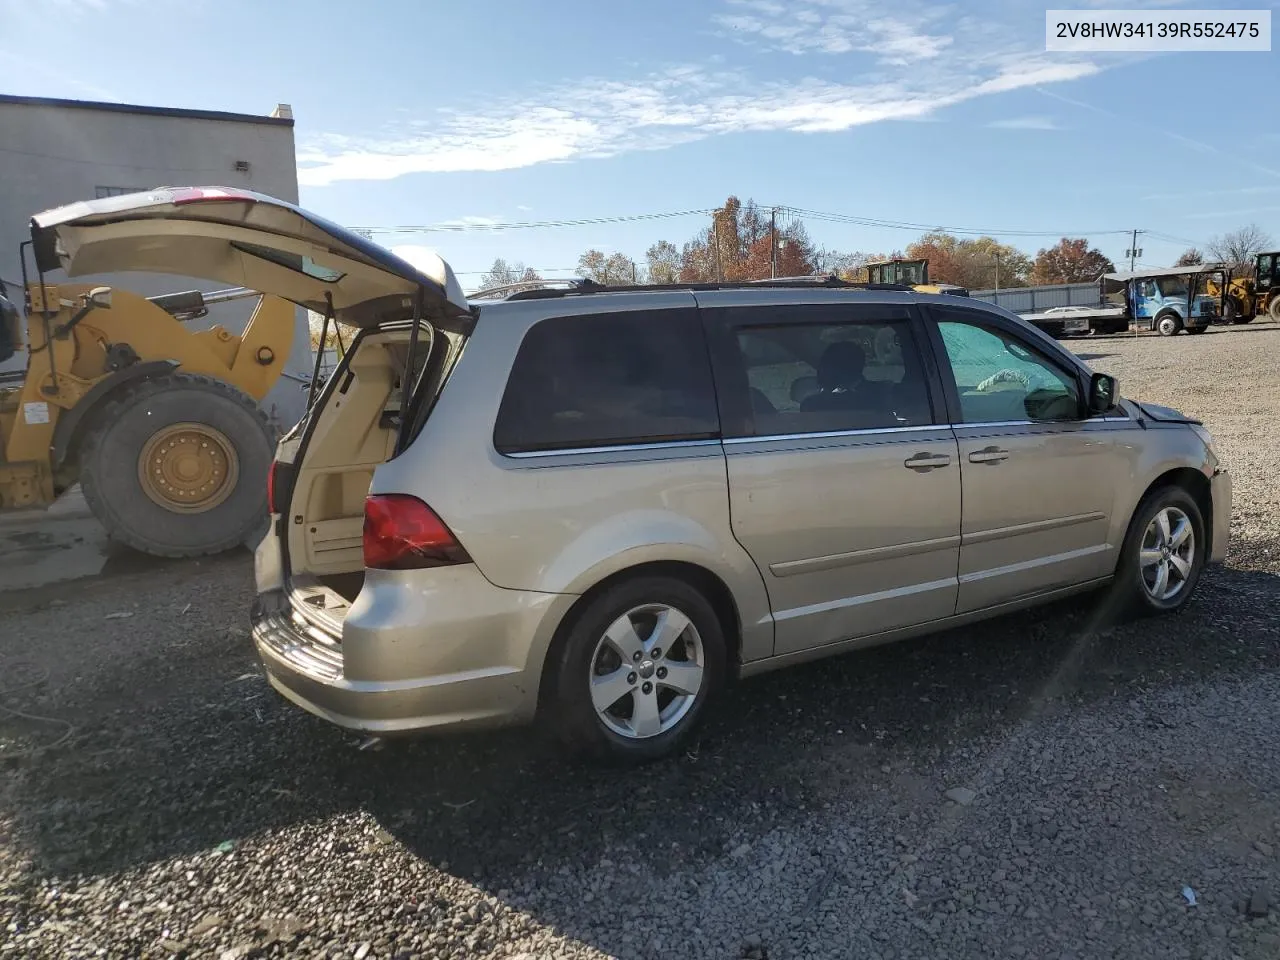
(835, 434)
(615, 448)
(824, 435)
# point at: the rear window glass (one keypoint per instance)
(606, 379)
(293, 261)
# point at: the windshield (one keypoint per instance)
(1172, 287)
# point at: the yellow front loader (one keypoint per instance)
(911, 273)
(159, 424)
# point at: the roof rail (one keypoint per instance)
(588, 286)
(502, 290)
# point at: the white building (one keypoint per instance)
(58, 151)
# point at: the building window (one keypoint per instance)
(100, 192)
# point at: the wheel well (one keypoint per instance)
(72, 425)
(1196, 484)
(711, 586)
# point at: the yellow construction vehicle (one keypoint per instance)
(1248, 297)
(911, 273)
(160, 425)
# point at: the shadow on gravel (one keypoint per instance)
(207, 753)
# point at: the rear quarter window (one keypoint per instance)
(599, 380)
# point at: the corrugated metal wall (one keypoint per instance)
(1035, 299)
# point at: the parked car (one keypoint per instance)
(597, 508)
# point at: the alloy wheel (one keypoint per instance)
(1167, 555)
(646, 671)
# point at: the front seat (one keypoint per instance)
(839, 377)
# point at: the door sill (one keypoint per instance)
(904, 633)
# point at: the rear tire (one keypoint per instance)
(1273, 309)
(1196, 329)
(176, 466)
(650, 718)
(1151, 546)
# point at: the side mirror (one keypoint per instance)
(1103, 391)
(99, 297)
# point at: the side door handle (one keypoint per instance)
(927, 461)
(988, 455)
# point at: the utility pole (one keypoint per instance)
(773, 243)
(715, 244)
(633, 273)
(997, 269)
(1133, 253)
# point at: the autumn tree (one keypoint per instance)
(502, 274)
(1190, 257)
(971, 263)
(1239, 249)
(698, 261)
(990, 262)
(663, 260)
(615, 268)
(795, 254)
(834, 263)
(1070, 261)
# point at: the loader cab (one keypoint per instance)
(9, 333)
(1266, 272)
(910, 273)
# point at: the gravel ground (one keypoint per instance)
(1027, 787)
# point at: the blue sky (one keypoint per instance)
(946, 114)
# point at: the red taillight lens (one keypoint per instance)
(403, 533)
(271, 488)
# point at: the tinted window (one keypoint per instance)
(599, 380)
(825, 377)
(1000, 378)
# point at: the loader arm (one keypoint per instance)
(63, 371)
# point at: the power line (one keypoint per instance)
(906, 225)
(803, 212)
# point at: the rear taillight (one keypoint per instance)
(403, 533)
(271, 487)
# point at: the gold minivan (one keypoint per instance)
(595, 506)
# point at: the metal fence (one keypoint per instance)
(1036, 299)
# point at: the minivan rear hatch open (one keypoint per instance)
(246, 239)
(324, 466)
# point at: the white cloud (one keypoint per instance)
(904, 67)
(601, 119)
(837, 26)
(1024, 123)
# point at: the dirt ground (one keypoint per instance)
(157, 799)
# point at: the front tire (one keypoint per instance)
(1168, 324)
(635, 671)
(1162, 558)
(176, 466)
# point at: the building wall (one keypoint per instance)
(1036, 299)
(57, 152)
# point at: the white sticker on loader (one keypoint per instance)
(37, 412)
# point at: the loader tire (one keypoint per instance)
(1273, 310)
(176, 466)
